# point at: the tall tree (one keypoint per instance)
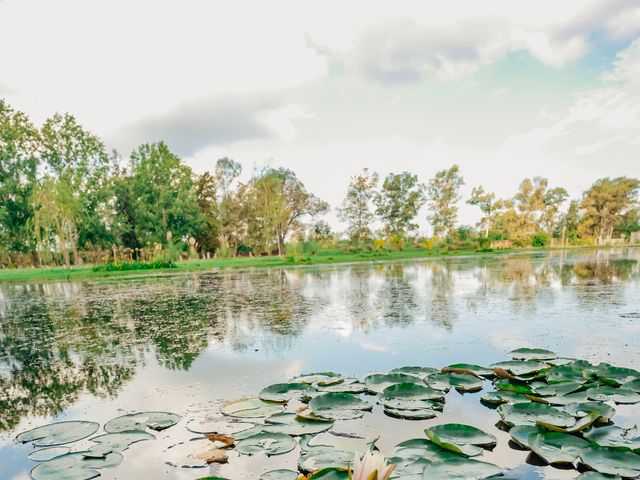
(18, 163)
(552, 201)
(398, 202)
(228, 205)
(355, 208)
(205, 188)
(570, 222)
(488, 206)
(443, 193)
(605, 204)
(163, 195)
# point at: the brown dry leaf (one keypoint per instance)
(460, 370)
(502, 373)
(226, 440)
(213, 455)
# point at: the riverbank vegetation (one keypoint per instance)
(65, 200)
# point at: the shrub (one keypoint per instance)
(539, 240)
(126, 266)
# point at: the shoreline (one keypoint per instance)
(49, 274)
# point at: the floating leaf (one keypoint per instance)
(614, 436)
(520, 434)
(329, 473)
(419, 448)
(509, 386)
(283, 392)
(576, 397)
(222, 425)
(338, 406)
(460, 381)
(139, 421)
(532, 354)
(320, 379)
(250, 408)
(616, 375)
(633, 385)
(292, 424)
(557, 448)
(350, 443)
(118, 442)
(349, 385)
(500, 397)
(618, 395)
(417, 371)
(520, 367)
(530, 413)
(280, 474)
(325, 458)
(578, 371)
(460, 469)
(377, 382)
(74, 466)
(559, 389)
(469, 367)
(582, 409)
(269, 443)
(460, 438)
(597, 476)
(411, 414)
(58, 433)
(45, 454)
(406, 392)
(581, 424)
(611, 461)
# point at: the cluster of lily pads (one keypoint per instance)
(561, 409)
(58, 462)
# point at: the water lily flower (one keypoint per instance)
(371, 466)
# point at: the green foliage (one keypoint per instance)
(398, 203)
(443, 192)
(355, 208)
(127, 266)
(539, 240)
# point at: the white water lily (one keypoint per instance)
(371, 466)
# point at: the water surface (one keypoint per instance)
(188, 342)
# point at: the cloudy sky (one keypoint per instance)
(504, 89)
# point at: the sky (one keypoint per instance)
(504, 89)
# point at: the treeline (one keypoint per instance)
(65, 199)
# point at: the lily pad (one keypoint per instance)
(459, 438)
(222, 425)
(460, 469)
(157, 421)
(45, 454)
(330, 473)
(520, 434)
(611, 461)
(633, 385)
(530, 413)
(499, 397)
(411, 414)
(280, 474)
(283, 392)
(319, 379)
(616, 376)
(577, 371)
(250, 408)
(509, 386)
(469, 367)
(532, 354)
(460, 381)
(338, 406)
(614, 436)
(58, 433)
(349, 385)
(269, 443)
(417, 371)
(377, 382)
(557, 448)
(618, 395)
(325, 458)
(582, 409)
(294, 425)
(74, 466)
(597, 476)
(406, 392)
(580, 425)
(419, 448)
(118, 442)
(520, 367)
(328, 440)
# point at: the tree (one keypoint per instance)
(205, 188)
(488, 206)
(443, 193)
(552, 201)
(398, 203)
(19, 141)
(605, 204)
(355, 208)
(228, 207)
(570, 222)
(163, 195)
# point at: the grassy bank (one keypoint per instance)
(323, 258)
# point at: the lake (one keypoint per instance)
(187, 343)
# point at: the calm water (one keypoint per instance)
(185, 343)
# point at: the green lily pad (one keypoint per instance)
(58, 433)
(460, 469)
(618, 395)
(417, 371)
(74, 466)
(283, 392)
(578, 371)
(499, 397)
(338, 406)
(582, 409)
(633, 385)
(469, 367)
(222, 425)
(349, 385)
(269, 443)
(377, 382)
(616, 376)
(575, 397)
(45, 454)
(520, 367)
(520, 434)
(558, 389)
(611, 461)
(407, 392)
(411, 414)
(250, 408)
(557, 448)
(330, 473)
(327, 440)
(460, 381)
(319, 379)
(294, 425)
(139, 421)
(532, 354)
(325, 458)
(597, 476)
(419, 448)
(614, 436)
(117, 442)
(530, 413)
(460, 438)
(581, 424)
(280, 474)
(509, 386)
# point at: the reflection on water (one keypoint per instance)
(88, 343)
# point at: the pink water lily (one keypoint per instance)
(372, 466)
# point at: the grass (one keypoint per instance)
(322, 258)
